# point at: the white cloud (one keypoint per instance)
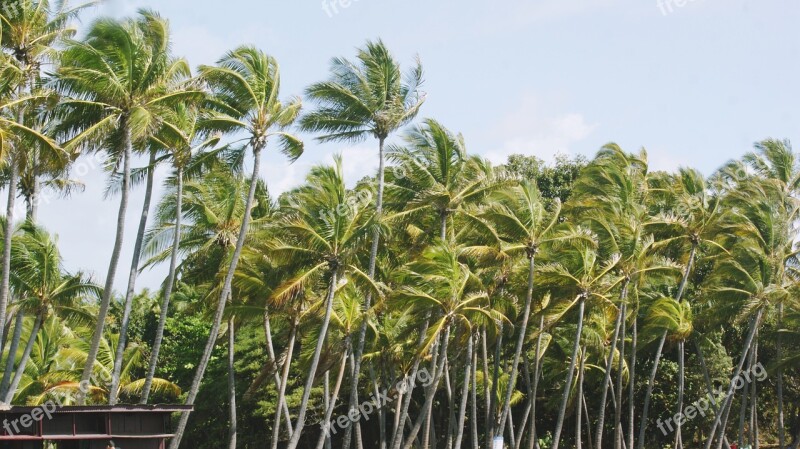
(532, 129)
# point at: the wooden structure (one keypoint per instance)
(87, 427)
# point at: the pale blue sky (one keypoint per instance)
(695, 84)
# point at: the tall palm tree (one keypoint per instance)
(327, 249)
(366, 98)
(245, 88)
(441, 285)
(520, 218)
(180, 138)
(115, 100)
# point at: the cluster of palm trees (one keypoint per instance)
(548, 311)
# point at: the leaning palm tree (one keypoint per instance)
(245, 88)
(366, 98)
(115, 100)
(522, 223)
(324, 251)
(440, 284)
(180, 137)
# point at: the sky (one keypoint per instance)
(695, 82)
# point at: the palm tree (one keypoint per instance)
(180, 138)
(115, 100)
(441, 285)
(245, 87)
(583, 277)
(367, 98)
(327, 251)
(519, 217)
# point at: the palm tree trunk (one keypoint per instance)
(430, 393)
(570, 374)
(474, 398)
(678, 296)
(649, 394)
(536, 375)
(325, 434)
(231, 383)
(579, 400)
(601, 417)
(779, 380)
(282, 385)
(492, 428)
(523, 331)
(219, 313)
(173, 267)
(7, 236)
(12, 353)
(373, 257)
(275, 370)
(462, 413)
(312, 370)
(32, 201)
(129, 293)
(108, 290)
(681, 383)
(632, 378)
(397, 437)
(721, 420)
(26, 355)
(620, 365)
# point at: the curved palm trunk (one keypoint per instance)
(523, 331)
(474, 398)
(779, 380)
(8, 234)
(12, 353)
(632, 377)
(462, 414)
(26, 355)
(533, 443)
(620, 365)
(324, 435)
(273, 361)
(223, 296)
(430, 393)
(721, 420)
(312, 370)
(397, 437)
(491, 425)
(108, 289)
(570, 375)
(32, 201)
(362, 332)
(601, 417)
(649, 394)
(681, 383)
(276, 428)
(678, 296)
(173, 266)
(231, 384)
(129, 294)
(579, 408)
